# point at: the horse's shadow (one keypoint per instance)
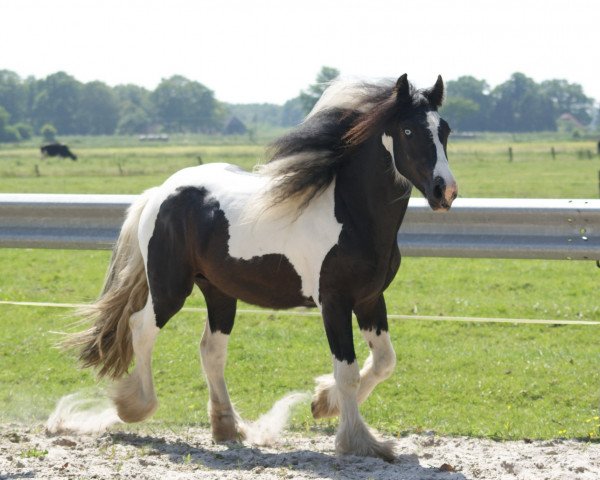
(241, 457)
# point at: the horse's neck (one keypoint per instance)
(372, 195)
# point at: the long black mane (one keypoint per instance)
(305, 161)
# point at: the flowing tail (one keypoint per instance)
(107, 345)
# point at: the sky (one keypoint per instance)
(250, 51)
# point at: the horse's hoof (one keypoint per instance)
(361, 442)
(225, 427)
(378, 449)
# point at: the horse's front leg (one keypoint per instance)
(372, 319)
(353, 436)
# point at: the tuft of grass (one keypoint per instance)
(34, 453)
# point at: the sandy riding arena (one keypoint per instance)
(28, 452)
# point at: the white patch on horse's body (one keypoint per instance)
(442, 169)
(388, 143)
(304, 241)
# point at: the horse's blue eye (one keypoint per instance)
(408, 132)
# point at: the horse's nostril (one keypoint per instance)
(438, 188)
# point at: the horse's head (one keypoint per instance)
(416, 137)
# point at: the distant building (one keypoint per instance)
(568, 123)
(235, 127)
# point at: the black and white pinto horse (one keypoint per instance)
(314, 226)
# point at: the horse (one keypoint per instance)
(316, 225)
(57, 149)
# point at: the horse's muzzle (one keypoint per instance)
(442, 194)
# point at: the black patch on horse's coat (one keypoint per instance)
(190, 245)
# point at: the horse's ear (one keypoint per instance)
(402, 88)
(436, 94)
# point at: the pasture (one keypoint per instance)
(505, 381)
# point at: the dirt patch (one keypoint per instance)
(28, 452)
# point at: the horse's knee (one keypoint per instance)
(347, 375)
(382, 360)
(213, 352)
(384, 365)
(143, 332)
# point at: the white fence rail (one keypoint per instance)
(475, 228)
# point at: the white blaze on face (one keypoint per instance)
(442, 169)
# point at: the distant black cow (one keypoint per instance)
(57, 150)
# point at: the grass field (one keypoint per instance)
(496, 380)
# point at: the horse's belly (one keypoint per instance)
(268, 281)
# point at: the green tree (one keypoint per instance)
(468, 101)
(13, 95)
(48, 132)
(136, 113)
(57, 102)
(4, 118)
(8, 133)
(183, 105)
(461, 113)
(98, 112)
(521, 106)
(25, 130)
(568, 98)
(309, 97)
(292, 113)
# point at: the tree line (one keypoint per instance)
(517, 105)
(60, 103)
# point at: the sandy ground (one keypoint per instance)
(28, 452)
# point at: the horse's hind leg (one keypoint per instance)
(224, 420)
(134, 395)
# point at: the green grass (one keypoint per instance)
(112, 169)
(495, 380)
(500, 381)
(481, 166)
